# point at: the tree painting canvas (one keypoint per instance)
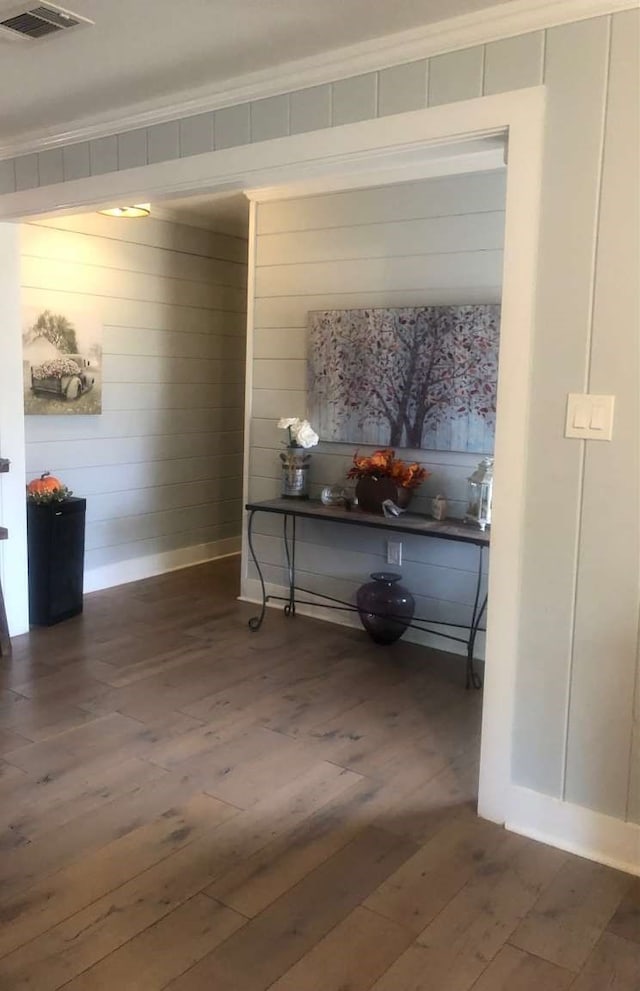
(61, 362)
(420, 377)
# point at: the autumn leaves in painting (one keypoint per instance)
(414, 377)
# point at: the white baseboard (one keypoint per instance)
(251, 592)
(575, 828)
(136, 568)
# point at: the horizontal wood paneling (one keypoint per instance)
(280, 342)
(156, 234)
(147, 368)
(128, 450)
(134, 396)
(82, 249)
(291, 311)
(481, 268)
(119, 424)
(440, 582)
(116, 553)
(288, 374)
(129, 529)
(418, 550)
(96, 281)
(137, 502)
(146, 475)
(465, 232)
(135, 340)
(436, 241)
(162, 466)
(446, 197)
(145, 314)
(268, 403)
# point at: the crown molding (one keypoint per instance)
(480, 27)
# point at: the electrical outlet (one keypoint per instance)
(394, 552)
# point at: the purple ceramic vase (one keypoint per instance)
(386, 607)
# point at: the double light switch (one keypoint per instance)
(589, 417)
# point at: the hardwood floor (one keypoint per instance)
(187, 805)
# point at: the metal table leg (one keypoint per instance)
(290, 552)
(473, 678)
(256, 621)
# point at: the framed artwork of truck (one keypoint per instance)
(62, 363)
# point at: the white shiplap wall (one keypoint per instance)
(428, 242)
(161, 468)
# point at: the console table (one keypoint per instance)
(410, 523)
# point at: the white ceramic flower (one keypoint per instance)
(305, 435)
(285, 422)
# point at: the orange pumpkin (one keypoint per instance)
(47, 483)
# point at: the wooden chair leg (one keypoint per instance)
(5, 640)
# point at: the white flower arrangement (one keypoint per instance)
(301, 433)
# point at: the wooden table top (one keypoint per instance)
(411, 523)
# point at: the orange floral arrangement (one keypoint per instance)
(384, 464)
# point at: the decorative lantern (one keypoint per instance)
(480, 495)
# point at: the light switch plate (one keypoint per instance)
(589, 417)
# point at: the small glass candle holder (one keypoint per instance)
(333, 495)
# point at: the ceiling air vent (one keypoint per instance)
(41, 21)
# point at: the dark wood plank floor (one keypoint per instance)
(186, 805)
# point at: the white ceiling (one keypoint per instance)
(150, 50)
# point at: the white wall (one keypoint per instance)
(161, 467)
(13, 552)
(578, 663)
(429, 242)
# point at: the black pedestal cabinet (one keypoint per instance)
(55, 537)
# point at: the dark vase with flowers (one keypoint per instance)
(386, 608)
(372, 492)
(381, 477)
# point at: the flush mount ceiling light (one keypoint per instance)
(137, 210)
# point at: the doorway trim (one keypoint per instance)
(396, 146)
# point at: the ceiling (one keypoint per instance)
(141, 51)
